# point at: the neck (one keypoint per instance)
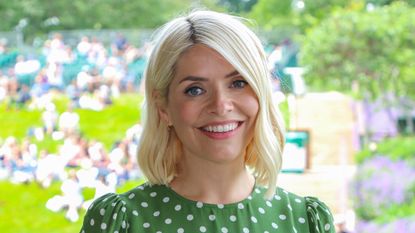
(213, 183)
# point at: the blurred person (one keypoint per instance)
(119, 161)
(132, 136)
(54, 75)
(71, 198)
(119, 45)
(84, 46)
(6, 153)
(87, 174)
(46, 48)
(99, 157)
(49, 167)
(212, 140)
(13, 86)
(23, 166)
(84, 78)
(40, 91)
(24, 66)
(102, 186)
(22, 97)
(74, 93)
(113, 73)
(97, 54)
(69, 121)
(4, 86)
(3, 46)
(95, 101)
(29, 154)
(134, 132)
(72, 150)
(56, 50)
(41, 85)
(50, 119)
(274, 57)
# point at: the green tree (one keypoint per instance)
(369, 54)
(273, 13)
(387, 2)
(371, 49)
(237, 6)
(44, 16)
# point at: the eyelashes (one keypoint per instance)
(239, 84)
(196, 90)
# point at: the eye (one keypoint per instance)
(194, 91)
(239, 84)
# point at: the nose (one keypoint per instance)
(220, 103)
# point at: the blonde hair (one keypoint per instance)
(160, 149)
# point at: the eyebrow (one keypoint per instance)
(233, 73)
(202, 79)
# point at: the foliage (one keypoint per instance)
(386, 2)
(317, 10)
(44, 16)
(22, 208)
(273, 13)
(399, 148)
(237, 6)
(370, 50)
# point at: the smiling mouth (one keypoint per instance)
(224, 128)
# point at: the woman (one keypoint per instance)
(212, 140)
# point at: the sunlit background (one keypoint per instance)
(71, 95)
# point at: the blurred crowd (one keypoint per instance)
(79, 163)
(91, 75)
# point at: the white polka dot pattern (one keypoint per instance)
(161, 210)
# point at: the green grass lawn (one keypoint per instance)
(107, 126)
(22, 208)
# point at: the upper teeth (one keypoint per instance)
(221, 128)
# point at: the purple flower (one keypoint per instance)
(405, 225)
(381, 183)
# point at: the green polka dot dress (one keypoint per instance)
(158, 209)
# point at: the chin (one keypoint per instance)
(225, 157)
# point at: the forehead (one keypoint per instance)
(201, 60)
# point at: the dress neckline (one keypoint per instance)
(256, 192)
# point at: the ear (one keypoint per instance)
(164, 115)
(162, 108)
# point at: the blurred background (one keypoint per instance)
(71, 95)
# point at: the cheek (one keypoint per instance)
(184, 113)
(251, 106)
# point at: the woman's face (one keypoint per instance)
(211, 107)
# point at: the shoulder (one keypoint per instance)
(111, 212)
(319, 217)
(108, 208)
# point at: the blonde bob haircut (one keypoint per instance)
(160, 149)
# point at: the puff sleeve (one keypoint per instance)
(319, 216)
(106, 214)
